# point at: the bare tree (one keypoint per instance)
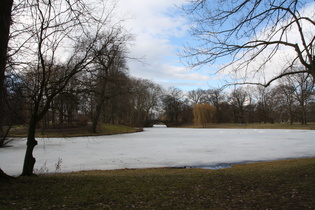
(58, 39)
(5, 22)
(172, 104)
(196, 96)
(251, 33)
(302, 87)
(216, 97)
(110, 61)
(145, 97)
(265, 104)
(153, 95)
(284, 95)
(117, 107)
(238, 99)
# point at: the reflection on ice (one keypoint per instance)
(214, 167)
(159, 126)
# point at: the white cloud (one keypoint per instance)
(157, 18)
(159, 31)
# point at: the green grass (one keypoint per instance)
(288, 184)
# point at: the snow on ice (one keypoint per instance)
(161, 147)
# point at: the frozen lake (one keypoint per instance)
(162, 147)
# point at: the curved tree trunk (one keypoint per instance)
(29, 160)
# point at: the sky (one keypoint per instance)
(160, 31)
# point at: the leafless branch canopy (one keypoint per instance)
(247, 31)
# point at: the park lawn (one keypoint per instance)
(287, 184)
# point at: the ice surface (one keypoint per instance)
(162, 147)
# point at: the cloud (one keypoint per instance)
(156, 18)
(160, 30)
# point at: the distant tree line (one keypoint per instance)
(292, 100)
(108, 94)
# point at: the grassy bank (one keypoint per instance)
(103, 129)
(109, 129)
(288, 184)
(310, 126)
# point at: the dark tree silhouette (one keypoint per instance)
(5, 21)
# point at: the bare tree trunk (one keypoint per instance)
(96, 117)
(29, 160)
(290, 115)
(5, 20)
(99, 107)
(303, 117)
(100, 104)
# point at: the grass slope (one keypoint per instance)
(288, 184)
(102, 129)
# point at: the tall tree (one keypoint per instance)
(58, 40)
(109, 63)
(5, 22)
(145, 97)
(284, 96)
(196, 96)
(264, 104)
(153, 95)
(303, 90)
(203, 114)
(216, 97)
(238, 99)
(251, 33)
(172, 104)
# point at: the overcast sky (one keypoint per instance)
(160, 30)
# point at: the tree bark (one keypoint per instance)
(100, 104)
(5, 20)
(29, 160)
(98, 110)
